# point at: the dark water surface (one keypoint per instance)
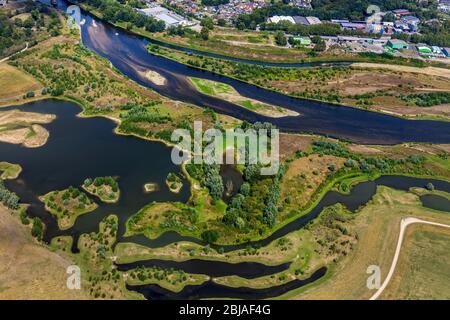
(435, 202)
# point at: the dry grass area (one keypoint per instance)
(19, 127)
(291, 143)
(302, 179)
(377, 226)
(14, 84)
(433, 71)
(400, 150)
(423, 270)
(371, 86)
(29, 270)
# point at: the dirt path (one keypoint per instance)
(403, 225)
(6, 58)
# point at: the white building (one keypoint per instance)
(2, 2)
(276, 19)
(171, 19)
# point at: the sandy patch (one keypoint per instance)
(364, 150)
(155, 77)
(15, 116)
(30, 137)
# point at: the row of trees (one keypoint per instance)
(114, 11)
(100, 181)
(11, 201)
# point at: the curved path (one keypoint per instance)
(403, 225)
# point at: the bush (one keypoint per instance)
(210, 236)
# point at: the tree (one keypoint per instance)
(204, 33)
(320, 45)
(280, 38)
(37, 228)
(207, 23)
(222, 22)
(210, 236)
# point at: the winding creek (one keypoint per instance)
(87, 147)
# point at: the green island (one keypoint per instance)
(104, 188)
(173, 181)
(67, 205)
(170, 279)
(227, 92)
(9, 170)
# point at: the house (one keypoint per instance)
(276, 19)
(446, 51)
(2, 2)
(300, 20)
(303, 41)
(353, 26)
(412, 22)
(401, 12)
(170, 18)
(397, 44)
(424, 49)
(313, 20)
(337, 21)
(375, 28)
(436, 50)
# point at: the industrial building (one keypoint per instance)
(170, 18)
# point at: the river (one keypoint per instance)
(128, 53)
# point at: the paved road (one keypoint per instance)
(403, 225)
